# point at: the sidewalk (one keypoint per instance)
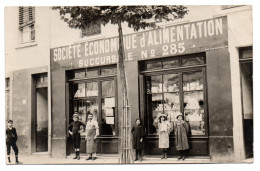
(109, 159)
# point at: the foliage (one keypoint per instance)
(137, 17)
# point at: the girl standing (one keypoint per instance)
(181, 132)
(164, 131)
(138, 135)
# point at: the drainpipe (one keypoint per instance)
(49, 94)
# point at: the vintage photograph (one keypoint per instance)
(149, 84)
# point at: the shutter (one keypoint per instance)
(26, 16)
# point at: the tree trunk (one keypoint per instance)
(126, 148)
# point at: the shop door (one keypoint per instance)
(247, 99)
(42, 119)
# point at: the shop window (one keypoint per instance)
(108, 108)
(91, 72)
(94, 72)
(96, 94)
(108, 88)
(92, 89)
(170, 64)
(80, 74)
(94, 29)
(108, 71)
(194, 101)
(79, 90)
(153, 65)
(27, 24)
(174, 91)
(193, 61)
(163, 97)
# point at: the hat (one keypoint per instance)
(10, 121)
(75, 115)
(179, 114)
(162, 115)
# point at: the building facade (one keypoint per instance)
(200, 65)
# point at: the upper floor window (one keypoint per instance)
(27, 24)
(93, 30)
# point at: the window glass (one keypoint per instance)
(79, 74)
(154, 84)
(108, 88)
(108, 116)
(92, 89)
(193, 61)
(171, 83)
(91, 72)
(194, 101)
(155, 108)
(153, 65)
(79, 90)
(246, 54)
(108, 71)
(170, 64)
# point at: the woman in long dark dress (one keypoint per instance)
(181, 132)
(138, 135)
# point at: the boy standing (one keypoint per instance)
(11, 138)
(74, 130)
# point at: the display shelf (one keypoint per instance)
(192, 90)
(165, 92)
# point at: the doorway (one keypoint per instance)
(247, 96)
(42, 119)
(40, 128)
(246, 71)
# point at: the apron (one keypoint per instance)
(90, 134)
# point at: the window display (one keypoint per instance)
(177, 91)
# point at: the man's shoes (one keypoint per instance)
(179, 157)
(183, 158)
(75, 157)
(94, 158)
(78, 158)
(9, 160)
(89, 158)
(136, 159)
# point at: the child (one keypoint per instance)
(11, 138)
(74, 130)
(92, 131)
(164, 131)
(138, 135)
(181, 133)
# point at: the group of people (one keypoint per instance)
(92, 131)
(181, 130)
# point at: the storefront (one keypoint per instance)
(179, 68)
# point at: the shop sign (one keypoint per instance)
(156, 43)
